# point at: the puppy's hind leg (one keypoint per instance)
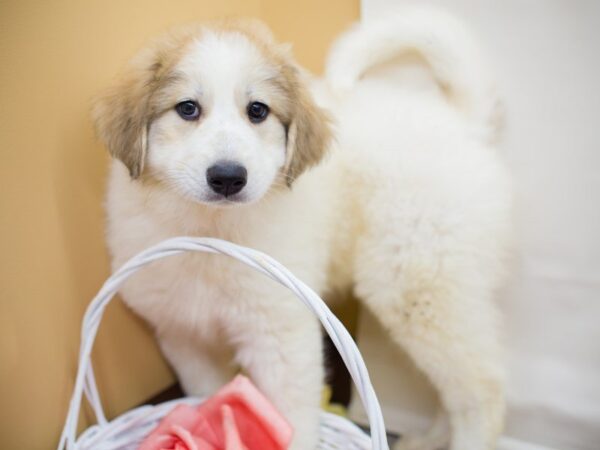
(435, 300)
(435, 438)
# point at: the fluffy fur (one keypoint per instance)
(410, 209)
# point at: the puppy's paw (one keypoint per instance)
(477, 428)
(306, 428)
(305, 443)
(436, 438)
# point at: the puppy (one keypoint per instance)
(215, 132)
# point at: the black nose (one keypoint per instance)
(227, 178)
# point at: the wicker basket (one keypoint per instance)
(128, 430)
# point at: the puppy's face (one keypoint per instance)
(221, 134)
(219, 114)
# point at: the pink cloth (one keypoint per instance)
(238, 417)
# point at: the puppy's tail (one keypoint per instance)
(441, 40)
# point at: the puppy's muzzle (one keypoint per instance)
(227, 178)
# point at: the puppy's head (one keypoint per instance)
(219, 113)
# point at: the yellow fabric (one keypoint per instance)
(333, 408)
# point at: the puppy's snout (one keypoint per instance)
(227, 178)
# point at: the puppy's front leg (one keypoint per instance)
(202, 368)
(281, 350)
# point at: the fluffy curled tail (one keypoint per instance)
(441, 40)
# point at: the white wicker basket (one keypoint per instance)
(128, 430)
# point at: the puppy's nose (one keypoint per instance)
(227, 178)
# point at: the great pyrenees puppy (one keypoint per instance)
(216, 131)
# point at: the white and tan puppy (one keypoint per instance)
(215, 133)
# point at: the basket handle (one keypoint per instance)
(85, 381)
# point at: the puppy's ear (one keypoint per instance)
(122, 114)
(309, 132)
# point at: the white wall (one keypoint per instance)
(547, 55)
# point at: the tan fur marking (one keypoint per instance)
(309, 136)
(123, 113)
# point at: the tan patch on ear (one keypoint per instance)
(123, 113)
(309, 135)
(121, 118)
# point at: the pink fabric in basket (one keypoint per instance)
(237, 417)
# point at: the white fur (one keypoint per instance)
(441, 40)
(411, 209)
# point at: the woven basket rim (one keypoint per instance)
(85, 382)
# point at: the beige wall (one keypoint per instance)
(54, 55)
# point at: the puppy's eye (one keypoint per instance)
(188, 110)
(257, 112)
